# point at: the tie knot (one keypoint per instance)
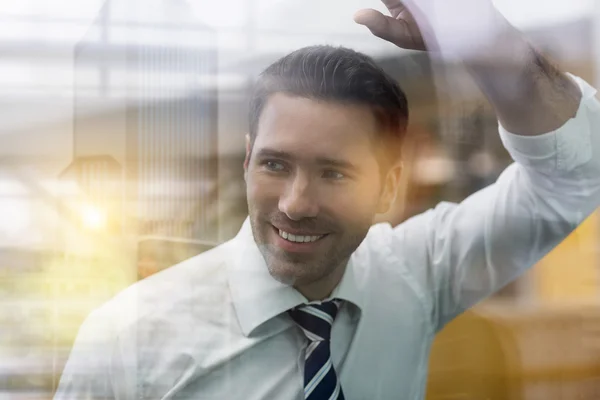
(316, 319)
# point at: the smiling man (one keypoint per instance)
(322, 159)
(313, 301)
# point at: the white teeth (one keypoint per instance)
(299, 238)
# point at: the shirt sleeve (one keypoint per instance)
(462, 253)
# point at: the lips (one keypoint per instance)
(298, 241)
(298, 232)
(299, 238)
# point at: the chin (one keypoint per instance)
(282, 276)
(288, 273)
(284, 272)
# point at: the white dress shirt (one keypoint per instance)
(216, 327)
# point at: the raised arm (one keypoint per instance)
(549, 123)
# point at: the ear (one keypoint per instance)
(390, 188)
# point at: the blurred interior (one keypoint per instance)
(121, 150)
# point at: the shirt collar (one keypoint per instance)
(258, 297)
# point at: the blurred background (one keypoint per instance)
(122, 129)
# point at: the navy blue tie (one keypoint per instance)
(320, 379)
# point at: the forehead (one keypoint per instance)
(308, 127)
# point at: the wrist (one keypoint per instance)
(530, 95)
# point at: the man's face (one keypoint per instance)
(312, 173)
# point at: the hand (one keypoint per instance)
(529, 94)
(453, 28)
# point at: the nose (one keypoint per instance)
(298, 201)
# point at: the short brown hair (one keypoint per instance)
(340, 75)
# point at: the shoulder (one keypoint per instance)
(406, 249)
(171, 295)
(414, 231)
(177, 317)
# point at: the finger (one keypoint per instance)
(395, 7)
(393, 30)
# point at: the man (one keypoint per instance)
(310, 301)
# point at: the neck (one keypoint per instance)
(321, 289)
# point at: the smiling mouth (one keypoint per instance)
(296, 238)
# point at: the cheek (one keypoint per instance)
(355, 204)
(262, 190)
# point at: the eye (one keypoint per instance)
(274, 166)
(335, 175)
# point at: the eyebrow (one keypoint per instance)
(266, 152)
(324, 161)
(341, 164)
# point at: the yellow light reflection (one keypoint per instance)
(93, 217)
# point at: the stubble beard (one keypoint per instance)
(301, 269)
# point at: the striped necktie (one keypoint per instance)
(320, 379)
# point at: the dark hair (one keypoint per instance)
(340, 75)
